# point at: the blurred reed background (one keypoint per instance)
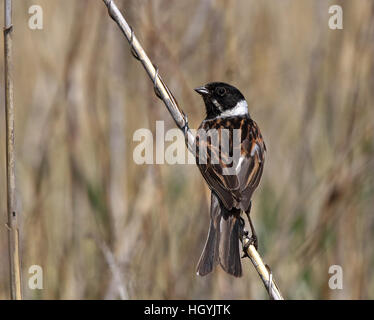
(103, 227)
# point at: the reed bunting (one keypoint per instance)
(232, 183)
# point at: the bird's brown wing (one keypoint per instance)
(236, 189)
(221, 185)
(252, 165)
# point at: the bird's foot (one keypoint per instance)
(252, 241)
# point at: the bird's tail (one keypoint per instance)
(222, 244)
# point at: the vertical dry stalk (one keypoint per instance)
(13, 233)
(181, 120)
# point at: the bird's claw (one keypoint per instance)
(254, 241)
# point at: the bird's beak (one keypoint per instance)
(202, 90)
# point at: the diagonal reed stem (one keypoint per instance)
(12, 225)
(163, 92)
(262, 269)
(161, 89)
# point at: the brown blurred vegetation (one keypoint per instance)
(103, 227)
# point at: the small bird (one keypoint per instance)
(226, 108)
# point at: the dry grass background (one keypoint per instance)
(103, 227)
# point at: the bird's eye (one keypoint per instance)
(221, 91)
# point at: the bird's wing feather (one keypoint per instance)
(235, 188)
(250, 171)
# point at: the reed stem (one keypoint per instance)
(12, 225)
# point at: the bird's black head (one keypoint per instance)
(222, 99)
